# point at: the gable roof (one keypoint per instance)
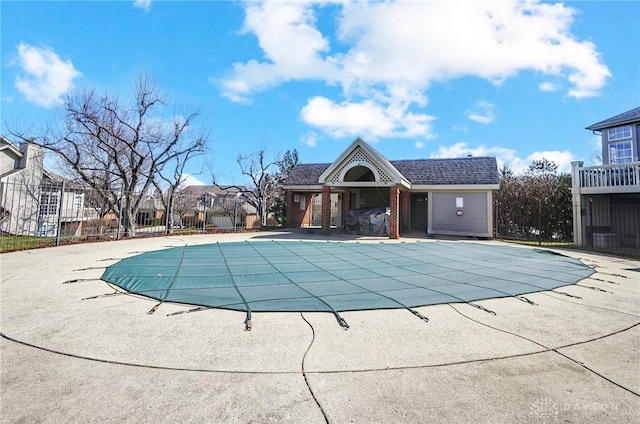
(9, 148)
(358, 153)
(629, 116)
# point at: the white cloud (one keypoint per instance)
(419, 144)
(367, 119)
(547, 86)
(386, 68)
(190, 180)
(46, 77)
(310, 139)
(482, 113)
(143, 4)
(292, 46)
(507, 156)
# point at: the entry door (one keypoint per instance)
(419, 211)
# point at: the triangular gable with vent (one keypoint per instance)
(359, 153)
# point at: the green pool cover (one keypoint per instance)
(338, 276)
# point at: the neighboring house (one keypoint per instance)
(33, 200)
(606, 198)
(151, 211)
(434, 196)
(223, 208)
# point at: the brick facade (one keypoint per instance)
(289, 218)
(326, 210)
(297, 217)
(394, 203)
(405, 205)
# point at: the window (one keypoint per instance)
(48, 204)
(620, 152)
(77, 200)
(619, 133)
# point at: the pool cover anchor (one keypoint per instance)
(341, 321)
(103, 295)
(482, 308)
(155, 308)
(247, 322)
(418, 314)
(593, 288)
(526, 300)
(80, 280)
(566, 294)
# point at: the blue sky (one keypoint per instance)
(515, 80)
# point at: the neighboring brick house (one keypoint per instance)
(223, 208)
(434, 196)
(606, 198)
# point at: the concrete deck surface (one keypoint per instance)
(69, 356)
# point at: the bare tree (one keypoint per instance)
(263, 184)
(267, 177)
(122, 148)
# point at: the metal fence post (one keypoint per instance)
(204, 218)
(539, 222)
(60, 210)
(120, 213)
(168, 221)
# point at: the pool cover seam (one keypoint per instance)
(331, 308)
(233, 280)
(452, 281)
(360, 287)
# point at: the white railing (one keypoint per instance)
(618, 177)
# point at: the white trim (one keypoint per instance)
(623, 137)
(303, 187)
(362, 184)
(374, 171)
(375, 156)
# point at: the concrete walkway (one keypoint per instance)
(70, 354)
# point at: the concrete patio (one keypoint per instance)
(70, 354)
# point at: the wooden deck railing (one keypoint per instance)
(624, 177)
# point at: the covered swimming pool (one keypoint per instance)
(302, 276)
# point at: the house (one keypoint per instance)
(215, 206)
(151, 211)
(33, 200)
(362, 187)
(606, 198)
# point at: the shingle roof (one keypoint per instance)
(632, 115)
(306, 174)
(472, 170)
(458, 171)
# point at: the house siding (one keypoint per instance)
(637, 152)
(635, 142)
(445, 219)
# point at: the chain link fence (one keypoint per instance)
(55, 213)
